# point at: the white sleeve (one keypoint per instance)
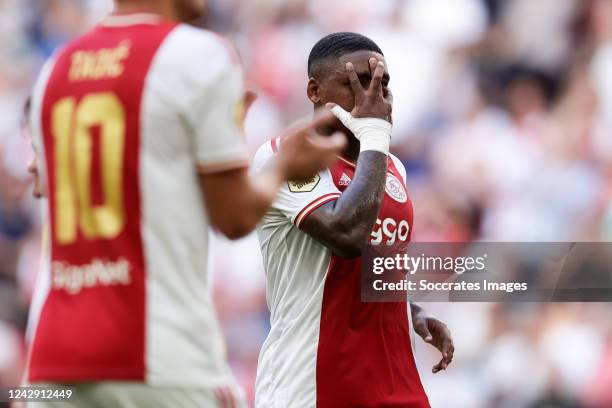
(400, 167)
(212, 97)
(298, 199)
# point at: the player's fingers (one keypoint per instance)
(372, 62)
(376, 83)
(231, 399)
(446, 337)
(222, 396)
(219, 397)
(354, 81)
(439, 367)
(389, 99)
(448, 349)
(422, 330)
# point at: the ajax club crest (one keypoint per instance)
(395, 189)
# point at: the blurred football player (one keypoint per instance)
(326, 348)
(138, 131)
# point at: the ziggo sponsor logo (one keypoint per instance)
(390, 231)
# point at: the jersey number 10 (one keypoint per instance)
(72, 127)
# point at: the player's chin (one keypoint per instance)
(333, 127)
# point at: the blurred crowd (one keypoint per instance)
(502, 116)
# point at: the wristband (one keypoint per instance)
(372, 133)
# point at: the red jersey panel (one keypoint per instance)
(365, 356)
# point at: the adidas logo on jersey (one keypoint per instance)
(344, 180)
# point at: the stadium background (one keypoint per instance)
(503, 112)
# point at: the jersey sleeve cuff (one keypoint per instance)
(219, 167)
(307, 210)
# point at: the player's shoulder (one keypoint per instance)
(197, 36)
(191, 44)
(399, 166)
(192, 58)
(265, 153)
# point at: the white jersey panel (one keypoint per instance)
(186, 122)
(296, 267)
(399, 166)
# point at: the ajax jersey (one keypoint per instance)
(326, 348)
(122, 119)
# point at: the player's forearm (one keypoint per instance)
(263, 190)
(236, 200)
(345, 225)
(356, 210)
(254, 201)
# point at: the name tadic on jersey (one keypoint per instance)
(390, 231)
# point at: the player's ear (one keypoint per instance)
(313, 90)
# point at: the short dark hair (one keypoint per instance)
(338, 44)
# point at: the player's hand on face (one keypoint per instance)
(438, 335)
(388, 95)
(372, 102)
(304, 152)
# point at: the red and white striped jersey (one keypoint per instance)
(326, 348)
(122, 117)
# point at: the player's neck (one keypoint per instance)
(161, 8)
(351, 152)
